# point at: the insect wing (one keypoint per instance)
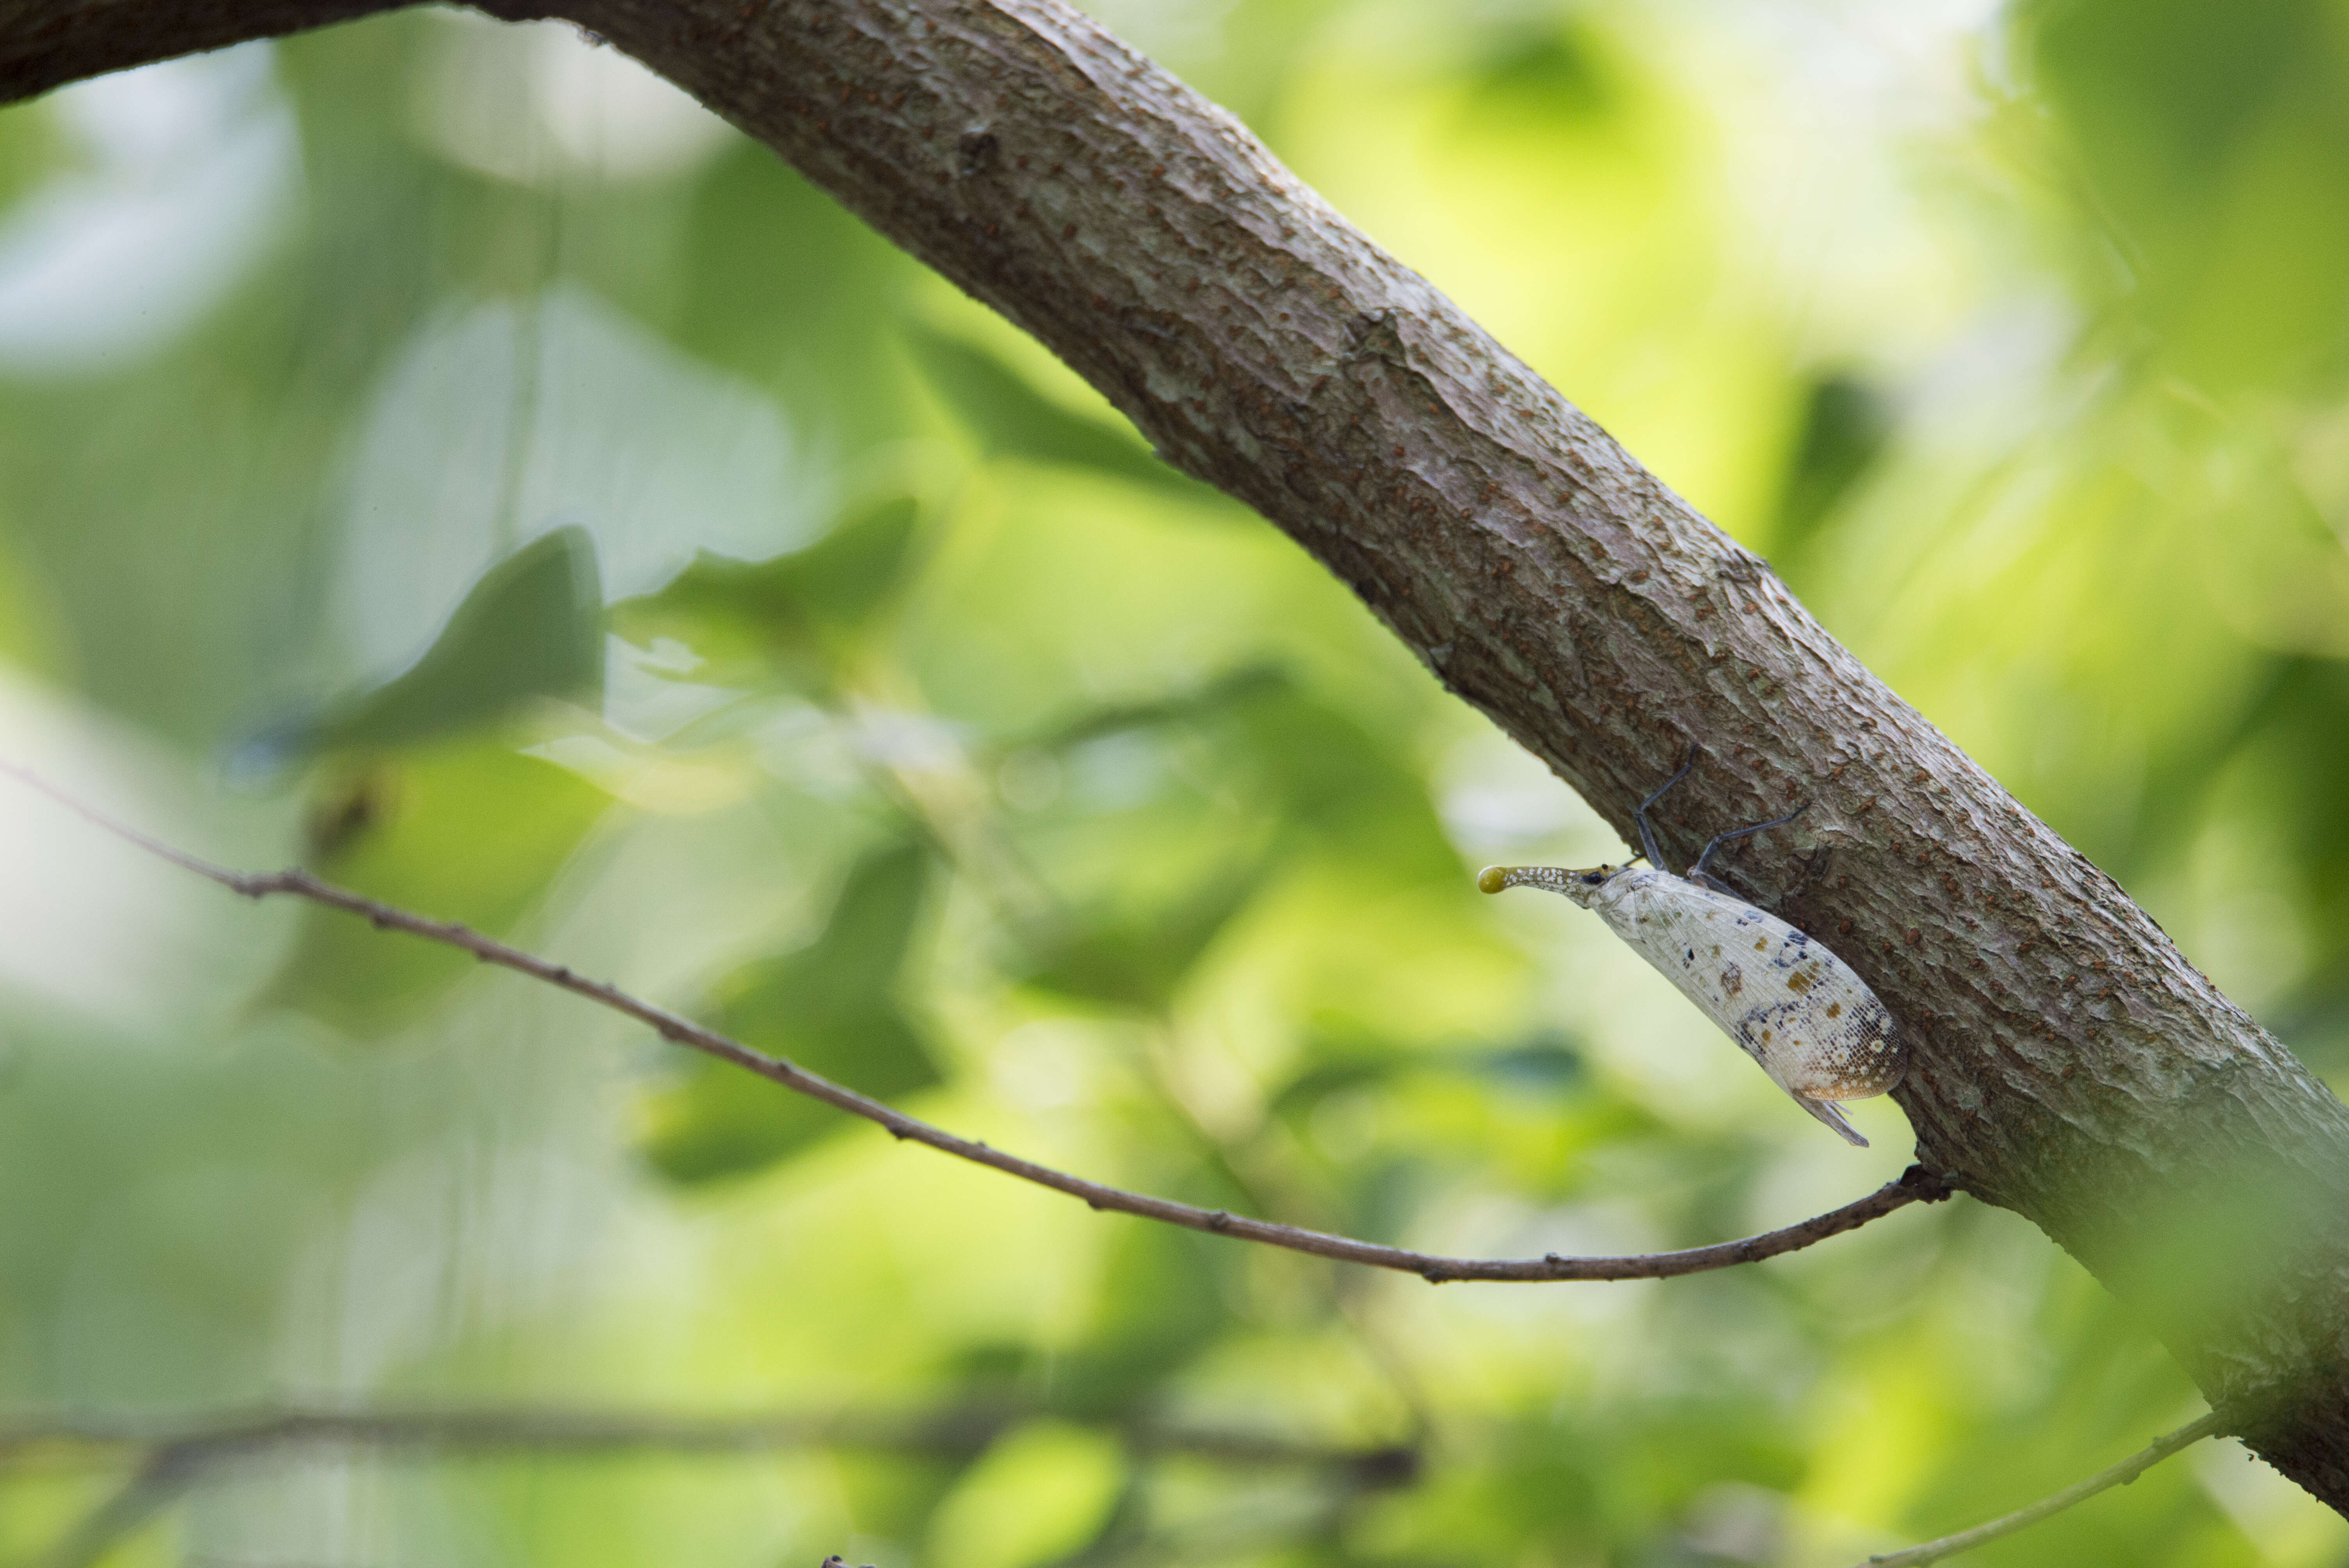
(1824, 1110)
(1704, 943)
(1794, 1007)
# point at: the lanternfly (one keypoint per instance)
(1796, 1008)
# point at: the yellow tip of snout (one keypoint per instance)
(1493, 879)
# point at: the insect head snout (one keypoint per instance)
(1577, 885)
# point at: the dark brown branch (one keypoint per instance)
(2069, 1063)
(1916, 1184)
(2121, 1474)
(44, 45)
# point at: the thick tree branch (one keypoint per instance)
(45, 43)
(1916, 1184)
(2069, 1063)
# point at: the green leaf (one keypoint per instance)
(1141, 960)
(1159, 1301)
(470, 832)
(1160, 1305)
(1340, 788)
(530, 629)
(832, 1006)
(781, 284)
(1037, 1496)
(796, 617)
(1012, 419)
(1188, 705)
(1317, 774)
(1543, 1067)
(1846, 426)
(1557, 73)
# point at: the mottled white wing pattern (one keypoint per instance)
(1796, 1008)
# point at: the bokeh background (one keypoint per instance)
(439, 453)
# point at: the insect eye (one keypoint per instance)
(1593, 879)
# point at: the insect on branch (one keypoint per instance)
(1917, 1184)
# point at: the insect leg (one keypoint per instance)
(1648, 834)
(1696, 871)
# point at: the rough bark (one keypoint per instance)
(2069, 1063)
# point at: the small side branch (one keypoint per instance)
(1915, 1185)
(167, 1473)
(2121, 1474)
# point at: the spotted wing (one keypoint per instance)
(1793, 1006)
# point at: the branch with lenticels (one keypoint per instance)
(1916, 1185)
(2068, 1062)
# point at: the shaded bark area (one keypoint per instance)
(2069, 1063)
(45, 44)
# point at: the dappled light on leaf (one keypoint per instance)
(471, 832)
(795, 619)
(836, 1007)
(1137, 960)
(1012, 419)
(530, 630)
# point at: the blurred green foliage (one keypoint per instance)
(1012, 419)
(616, 546)
(532, 629)
(833, 1006)
(795, 619)
(471, 832)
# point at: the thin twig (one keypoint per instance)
(177, 1451)
(167, 1473)
(195, 1441)
(1916, 1184)
(2121, 1474)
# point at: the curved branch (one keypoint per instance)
(1917, 1184)
(44, 44)
(2069, 1063)
(2121, 1474)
